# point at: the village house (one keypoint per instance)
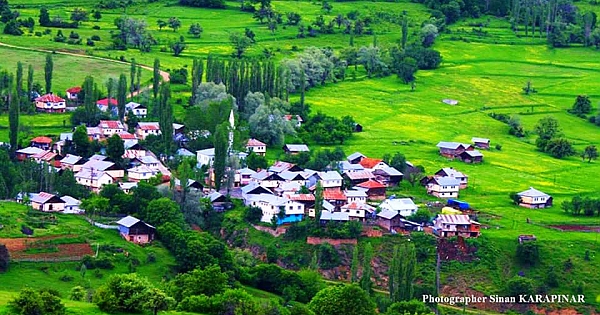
(355, 158)
(126, 187)
(192, 185)
(94, 133)
(443, 187)
(72, 205)
(283, 209)
(403, 206)
(372, 164)
(245, 175)
(330, 180)
(44, 157)
(135, 230)
(110, 168)
(347, 167)
(50, 103)
(472, 156)
(43, 143)
(280, 166)
(358, 211)
(453, 149)
(388, 176)
(141, 172)
(294, 177)
(110, 127)
(178, 129)
(72, 162)
(449, 225)
(207, 157)
(93, 180)
(27, 153)
(287, 188)
(358, 196)
(73, 93)
(138, 110)
(256, 146)
(296, 119)
(126, 136)
(47, 202)
(144, 129)
(374, 189)
(481, 143)
(308, 200)
(393, 222)
(253, 188)
(98, 157)
(294, 149)
(451, 172)
(329, 216)
(103, 105)
(271, 180)
(355, 178)
(336, 198)
(534, 199)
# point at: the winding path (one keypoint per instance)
(163, 74)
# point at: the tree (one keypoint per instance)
(253, 214)
(406, 70)
(429, 33)
(178, 47)
(4, 258)
(165, 118)
(365, 281)
(122, 293)
(342, 299)
(250, 34)
(354, 265)
(220, 4)
(255, 161)
(174, 23)
(221, 140)
(29, 81)
(115, 149)
(590, 153)
(318, 201)
(97, 15)
(268, 124)
(81, 141)
(412, 307)
(163, 210)
(327, 7)
(132, 70)
(13, 112)
(547, 129)
(370, 58)
(528, 253)
(161, 24)
(121, 96)
(402, 273)
(414, 174)
(195, 30)
(397, 161)
(156, 300)
(48, 72)
(79, 15)
(240, 43)
(42, 302)
(520, 285)
(582, 105)
(111, 85)
(560, 148)
(44, 17)
(421, 216)
(404, 31)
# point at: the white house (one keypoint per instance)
(256, 146)
(72, 205)
(138, 110)
(534, 199)
(358, 196)
(47, 202)
(272, 206)
(207, 156)
(141, 172)
(144, 129)
(358, 211)
(103, 166)
(110, 127)
(403, 206)
(50, 103)
(443, 187)
(72, 162)
(451, 172)
(295, 148)
(73, 93)
(93, 180)
(126, 187)
(330, 179)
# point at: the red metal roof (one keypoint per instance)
(289, 117)
(111, 124)
(369, 162)
(44, 140)
(126, 136)
(74, 90)
(50, 98)
(149, 126)
(255, 143)
(334, 195)
(104, 102)
(371, 184)
(302, 197)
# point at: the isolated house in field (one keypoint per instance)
(47, 202)
(374, 189)
(43, 143)
(472, 156)
(135, 230)
(256, 146)
(294, 149)
(50, 103)
(534, 199)
(481, 143)
(73, 93)
(453, 149)
(388, 176)
(443, 187)
(71, 205)
(145, 129)
(451, 172)
(449, 225)
(403, 206)
(355, 157)
(138, 110)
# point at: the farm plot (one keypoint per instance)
(46, 249)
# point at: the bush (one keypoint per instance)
(95, 37)
(31, 302)
(66, 278)
(151, 258)
(90, 42)
(96, 27)
(78, 293)
(520, 285)
(498, 147)
(73, 35)
(38, 34)
(253, 214)
(328, 256)
(528, 253)
(179, 76)
(104, 263)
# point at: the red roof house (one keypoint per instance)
(41, 142)
(103, 103)
(73, 92)
(256, 146)
(50, 103)
(369, 163)
(375, 189)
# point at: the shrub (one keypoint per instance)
(38, 34)
(328, 256)
(104, 263)
(66, 278)
(30, 302)
(552, 278)
(96, 27)
(151, 258)
(47, 31)
(95, 37)
(78, 293)
(90, 42)
(73, 35)
(520, 285)
(253, 214)
(98, 274)
(498, 147)
(528, 253)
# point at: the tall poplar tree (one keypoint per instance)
(121, 96)
(354, 266)
(13, 113)
(156, 78)
(19, 79)
(138, 80)
(197, 72)
(132, 70)
(166, 117)
(404, 31)
(49, 67)
(365, 281)
(111, 84)
(318, 201)
(89, 100)
(221, 140)
(29, 81)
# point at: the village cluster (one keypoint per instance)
(285, 193)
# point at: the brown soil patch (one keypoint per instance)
(17, 247)
(577, 228)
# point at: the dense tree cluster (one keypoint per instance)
(219, 4)
(582, 205)
(550, 138)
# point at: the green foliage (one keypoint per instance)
(328, 256)
(221, 145)
(255, 161)
(367, 271)
(354, 265)
(164, 210)
(590, 153)
(240, 43)
(560, 148)
(421, 216)
(209, 281)
(122, 293)
(31, 302)
(582, 105)
(528, 253)
(78, 293)
(324, 129)
(204, 3)
(115, 149)
(253, 214)
(547, 129)
(4, 258)
(413, 307)
(520, 285)
(342, 299)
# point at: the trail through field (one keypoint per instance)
(163, 74)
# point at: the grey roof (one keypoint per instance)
(330, 175)
(97, 165)
(246, 171)
(447, 181)
(132, 105)
(98, 157)
(184, 152)
(207, 152)
(128, 185)
(148, 159)
(70, 201)
(297, 147)
(387, 214)
(128, 221)
(355, 193)
(532, 192)
(66, 136)
(327, 206)
(287, 175)
(189, 183)
(474, 153)
(129, 143)
(177, 126)
(449, 145)
(347, 166)
(30, 150)
(452, 172)
(251, 186)
(390, 171)
(355, 156)
(334, 216)
(360, 175)
(214, 196)
(260, 175)
(270, 199)
(88, 174)
(71, 159)
(399, 204)
(480, 140)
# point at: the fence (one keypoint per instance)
(335, 242)
(47, 259)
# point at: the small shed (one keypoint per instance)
(481, 143)
(358, 127)
(135, 230)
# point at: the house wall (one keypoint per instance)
(116, 173)
(536, 200)
(141, 176)
(204, 159)
(139, 238)
(357, 199)
(331, 183)
(259, 150)
(443, 191)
